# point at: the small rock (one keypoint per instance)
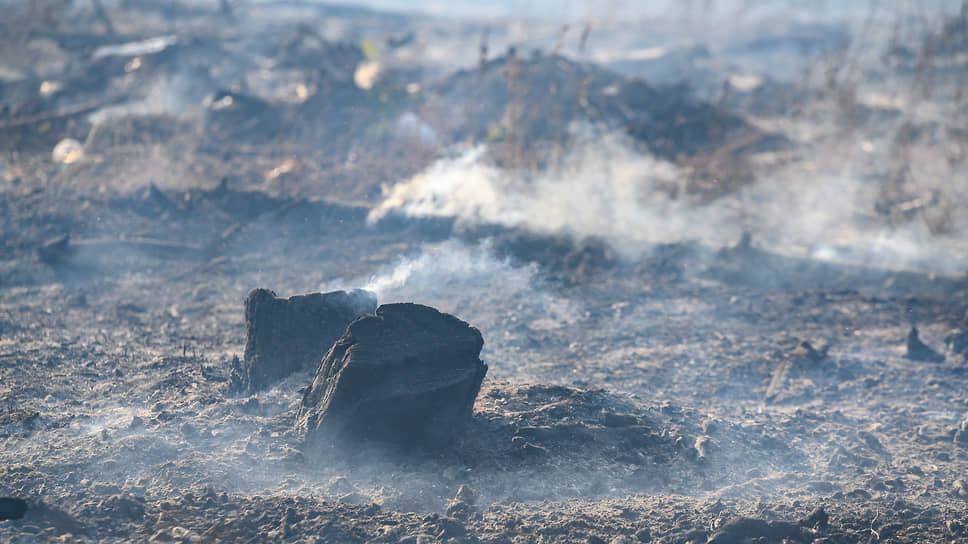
(12, 508)
(919, 351)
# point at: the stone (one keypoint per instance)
(11, 508)
(287, 335)
(406, 376)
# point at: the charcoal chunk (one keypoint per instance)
(286, 335)
(406, 376)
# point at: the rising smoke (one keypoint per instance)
(503, 300)
(823, 209)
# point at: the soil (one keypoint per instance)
(688, 392)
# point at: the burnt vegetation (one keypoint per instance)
(293, 271)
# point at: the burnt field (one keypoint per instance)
(717, 257)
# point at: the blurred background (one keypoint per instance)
(827, 130)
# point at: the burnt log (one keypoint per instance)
(405, 377)
(287, 335)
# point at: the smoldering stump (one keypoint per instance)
(285, 335)
(407, 376)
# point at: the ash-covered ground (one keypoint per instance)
(717, 252)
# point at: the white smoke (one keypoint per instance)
(605, 188)
(505, 302)
(444, 273)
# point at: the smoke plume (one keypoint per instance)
(823, 209)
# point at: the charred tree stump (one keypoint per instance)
(286, 335)
(406, 376)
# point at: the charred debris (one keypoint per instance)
(286, 335)
(360, 377)
(214, 95)
(406, 375)
(403, 376)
